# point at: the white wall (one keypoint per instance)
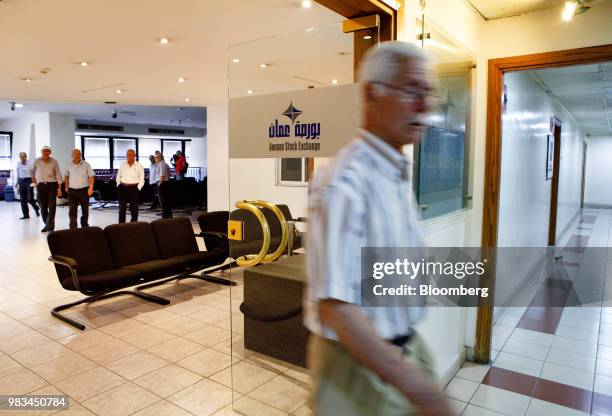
(30, 133)
(61, 137)
(597, 184)
(217, 146)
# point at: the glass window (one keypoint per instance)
(96, 152)
(148, 147)
(5, 151)
(292, 171)
(77, 143)
(171, 147)
(187, 150)
(120, 147)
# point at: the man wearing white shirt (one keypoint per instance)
(24, 181)
(130, 180)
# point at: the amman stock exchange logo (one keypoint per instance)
(297, 130)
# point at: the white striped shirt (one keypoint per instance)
(362, 199)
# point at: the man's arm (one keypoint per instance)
(141, 177)
(119, 174)
(92, 179)
(34, 172)
(361, 340)
(66, 182)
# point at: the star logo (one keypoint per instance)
(292, 112)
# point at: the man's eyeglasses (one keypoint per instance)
(406, 93)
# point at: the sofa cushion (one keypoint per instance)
(242, 248)
(87, 246)
(201, 259)
(131, 243)
(155, 269)
(174, 237)
(104, 281)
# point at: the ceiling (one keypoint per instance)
(132, 114)
(120, 41)
(496, 9)
(586, 92)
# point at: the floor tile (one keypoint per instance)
(8, 365)
(566, 375)
(208, 336)
(22, 381)
(577, 333)
(167, 380)
(175, 349)
(85, 339)
(22, 341)
(162, 408)
(247, 406)
(206, 362)
(124, 327)
(472, 410)
(473, 371)
(181, 326)
(136, 365)
(243, 377)
(572, 345)
(604, 367)
(148, 337)
(109, 351)
(122, 400)
(571, 359)
(460, 389)
(282, 393)
(603, 384)
(90, 383)
(203, 398)
(500, 400)
(531, 337)
(518, 364)
(63, 367)
(41, 353)
(542, 408)
(524, 349)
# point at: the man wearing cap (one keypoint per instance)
(130, 180)
(48, 181)
(79, 184)
(24, 181)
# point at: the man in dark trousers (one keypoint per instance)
(79, 185)
(163, 186)
(24, 181)
(48, 181)
(130, 180)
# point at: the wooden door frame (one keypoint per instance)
(554, 186)
(490, 220)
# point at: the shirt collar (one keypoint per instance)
(391, 159)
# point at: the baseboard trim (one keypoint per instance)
(452, 371)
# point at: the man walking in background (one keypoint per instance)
(153, 179)
(23, 178)
(130, 180)
(48, 181)
(163, 186)
(370, 360)
(79, 185)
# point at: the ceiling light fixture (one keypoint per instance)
(164, 41)
(263, 65)
(307, 4)
(84, 63)
(187, 99)
(250, 92)
(574, 8)
(18, 105)
(367, 37)
(235, 60)
(119, 91)
(334, 81)
(181, 80)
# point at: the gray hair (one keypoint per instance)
(23, 154)
(382, 63)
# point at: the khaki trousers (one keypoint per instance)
(342, 386)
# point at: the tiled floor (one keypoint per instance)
(135, 357)
(550, 360)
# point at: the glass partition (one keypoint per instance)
(292, 104)
(120, 148)
(442, 158)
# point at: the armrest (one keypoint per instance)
(71, 264)
(301, 219)
(212, 234)
(64, 261)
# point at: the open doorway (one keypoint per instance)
(550, 229)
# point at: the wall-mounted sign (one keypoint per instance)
(550, 151)
(305, 123)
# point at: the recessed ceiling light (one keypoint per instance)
(250, 92)
(187, 99)
(181, 80)
(235, 60)
(119, 91)
(569, 11)
(164, 41)
(367, 37)
(26, 79)
(84, 63)
(307, 4)
(334, 81)
(18, 105)
(263, 65)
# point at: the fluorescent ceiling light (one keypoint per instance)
(263, 65)
(334, 81)
(18, 105)
(181, 80)
(235, 60)
(164, 41)
(307, 4)
(250, 92)
(84, 63)
(119, 91)
(187, 99)
(568, 11)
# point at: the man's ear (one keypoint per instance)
(368, 92)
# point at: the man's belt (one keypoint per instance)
(129, 184)
(401, 340)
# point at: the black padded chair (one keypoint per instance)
(84, 262)
(213, 229)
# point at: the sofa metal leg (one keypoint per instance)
(70, 321)
(212, 279)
